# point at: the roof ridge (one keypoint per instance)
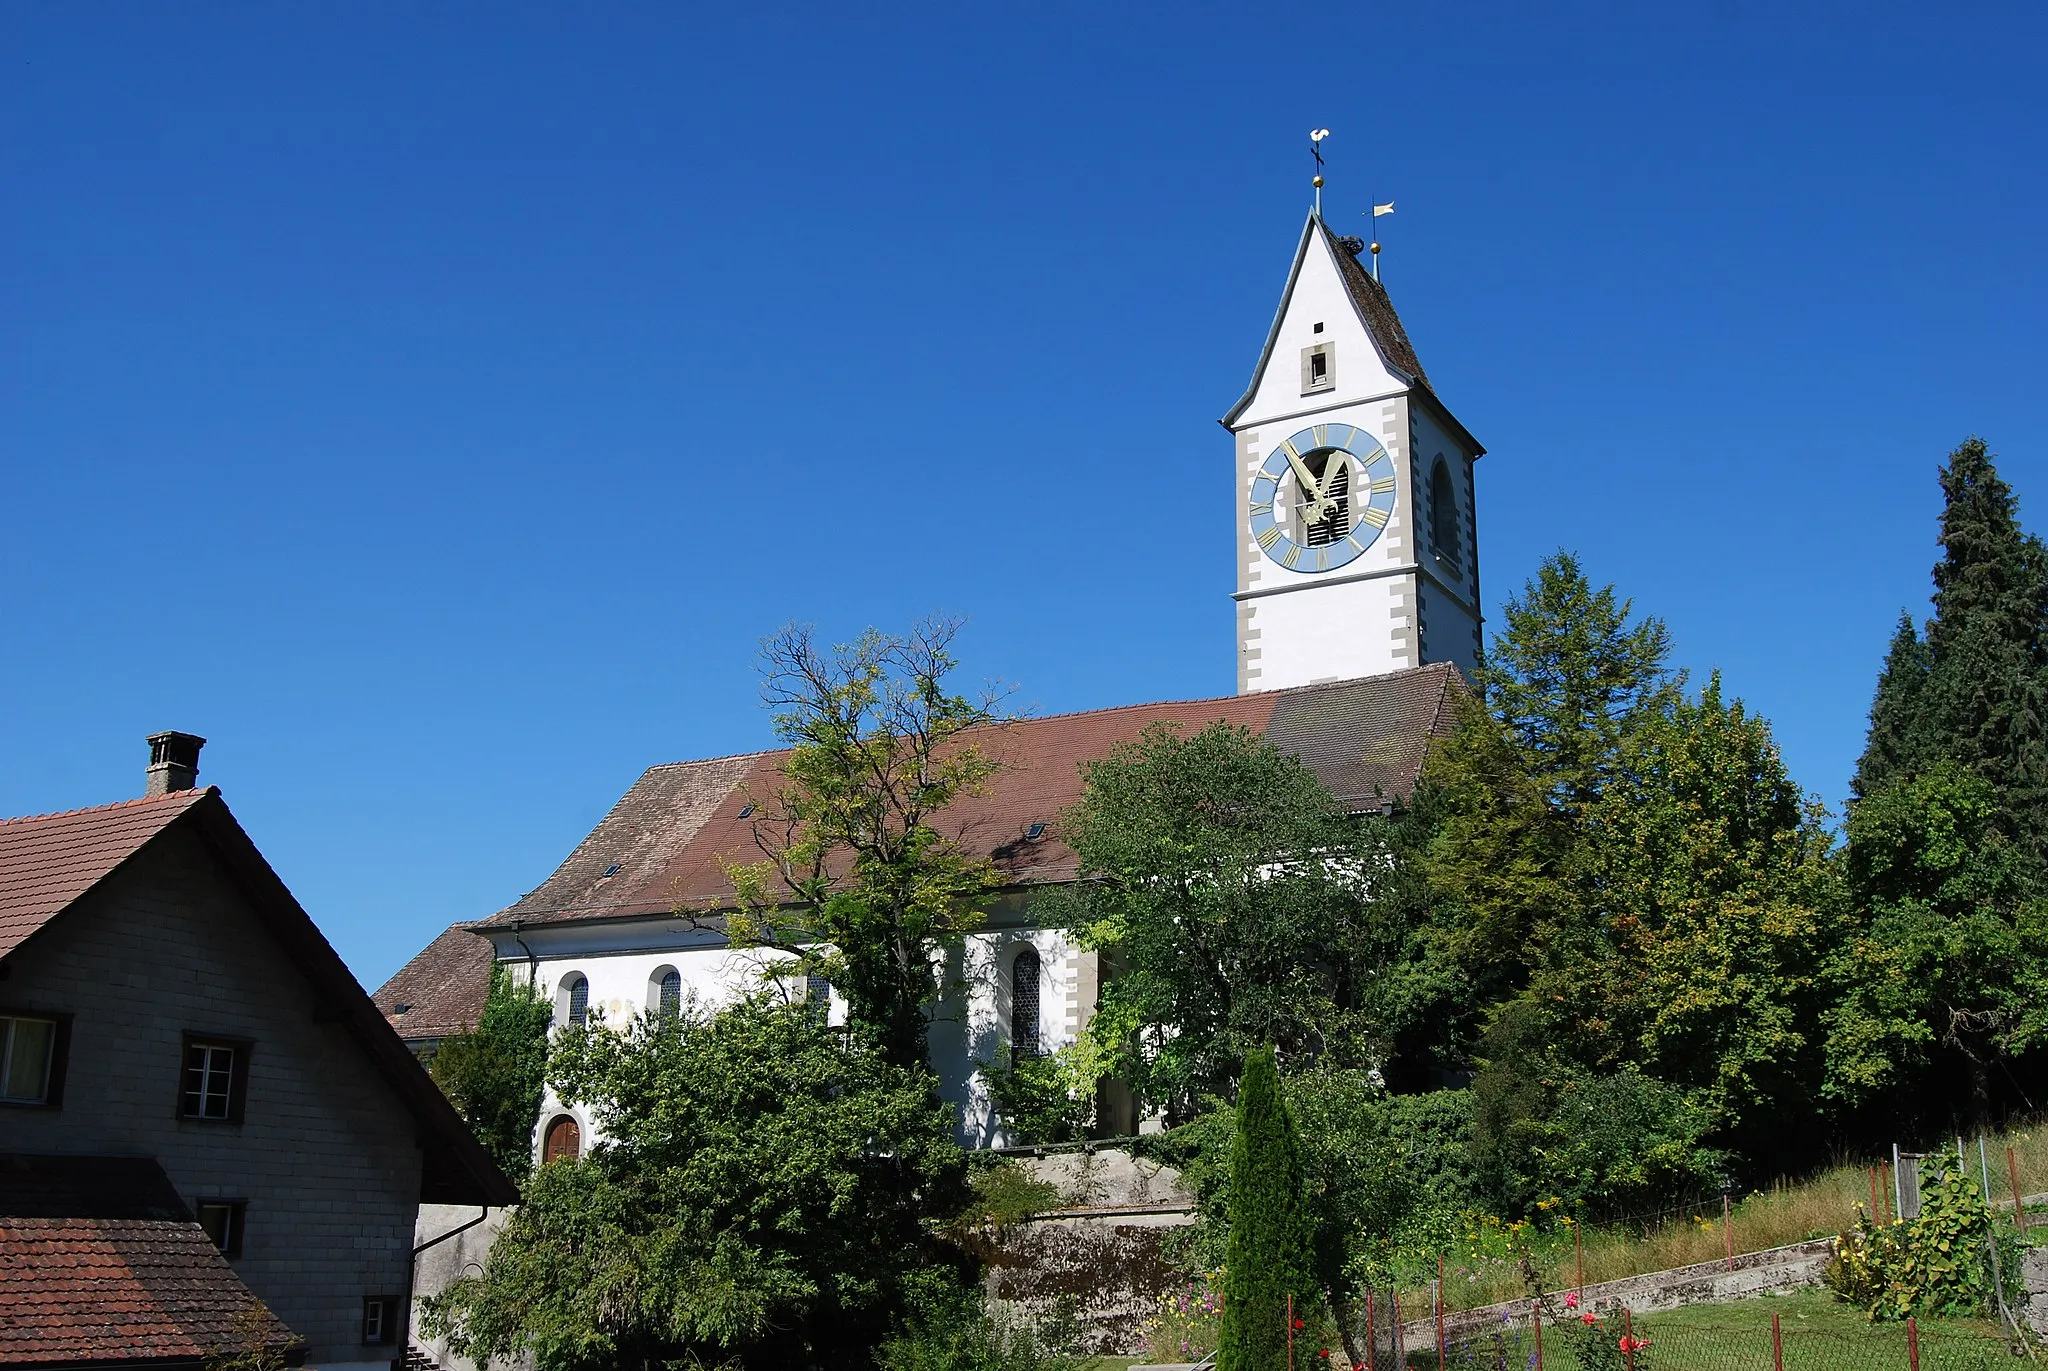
(1246, 695)
(721, 757)
(183, 796)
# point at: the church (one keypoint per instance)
(1357, 608)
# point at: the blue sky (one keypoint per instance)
(434, 406)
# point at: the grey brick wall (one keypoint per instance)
(325, 1155)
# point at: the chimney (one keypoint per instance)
(173, 762)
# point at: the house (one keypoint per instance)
(1357, 604)
(200, 1109)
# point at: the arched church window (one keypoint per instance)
(563, 1140)
(1024, 1039)
(1333, 477)
(669, 994)
(818, 995)
(575, 1000)
(1443, 515)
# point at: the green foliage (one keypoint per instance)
(1230, 892)
(1005, 1193)
(859, 879)
(1270, 1255)
(1046, 1097)
(767, 1193)
(1549, 1133)
(1940, 1263)
(494, 1075)
(1952, 964)
(963, 1334)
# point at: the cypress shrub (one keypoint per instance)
(1269, 1254)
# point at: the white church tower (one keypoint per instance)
(1357, 537)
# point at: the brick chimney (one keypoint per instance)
(173, 762)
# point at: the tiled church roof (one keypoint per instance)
(663, 845)
(442, 989)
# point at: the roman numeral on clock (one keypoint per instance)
(1262, 507)
(1376, 517)
(1270, 537)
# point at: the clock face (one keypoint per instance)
(1322, 497)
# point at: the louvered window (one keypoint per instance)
(1443, 515)
(1335, 525)
(672, 992)
(1024, 1039)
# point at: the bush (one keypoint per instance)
(1939, 1263)
(1048, 1098)
(964, 1335)
(1006, 1193)
(493, 1075)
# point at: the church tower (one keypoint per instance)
(1356, 528)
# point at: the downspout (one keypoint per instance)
(412, 1274)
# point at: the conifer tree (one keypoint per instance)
(1894, 748)
(1975, 691)
(1270, 1253)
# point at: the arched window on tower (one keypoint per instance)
(669, 995)
(1024, 1039)
(1443, 517)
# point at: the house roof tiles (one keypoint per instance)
(441, 991)
(101, 1264)
(49, 860)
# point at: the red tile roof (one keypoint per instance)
(663, 845)
(49, 860)
(124, 1276)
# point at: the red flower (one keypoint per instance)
(1571, 1301)
(1299, 1324)
(1588, 1318)
(1629, 1344)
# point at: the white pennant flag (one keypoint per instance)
(1387, 208)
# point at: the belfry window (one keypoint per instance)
(1443, 516)
(1024, 1038)
(1333, 475)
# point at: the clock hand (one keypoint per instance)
(1314, 511)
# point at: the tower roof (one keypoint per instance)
(1375, 312)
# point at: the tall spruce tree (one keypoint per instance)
(1975, 691)
(1271, 1251)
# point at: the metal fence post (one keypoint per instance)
(1536, 1322)
(1442, 1349)
(1912, 1344)
(1290, 1333)
(1777, 1344)
(1628, 1329)
(1372, 1347)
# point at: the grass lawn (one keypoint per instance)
(1819, 1335)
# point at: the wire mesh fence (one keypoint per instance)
(1527, 1341)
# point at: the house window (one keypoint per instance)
(1024, 1040)
(222, 1220)
(669, 996)
(563, 1141)
(1443, 515)
(380, 1320)
(28, 1059)
(216, 1079)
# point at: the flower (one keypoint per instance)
(1629, 1344)
(1588, 1318)
(1571, 1301)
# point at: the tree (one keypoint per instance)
(1981, 697)
(1229, 889)
(859, 881)
(1270, 1256)
(494, 1074)
(765, 1191)
(1951, 968)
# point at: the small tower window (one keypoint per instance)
(1318, 367)
(671, 992)
(1443, 517)
(1024, 1038)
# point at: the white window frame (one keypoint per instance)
(209, 1072)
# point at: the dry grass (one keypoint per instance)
(1788, 1212)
